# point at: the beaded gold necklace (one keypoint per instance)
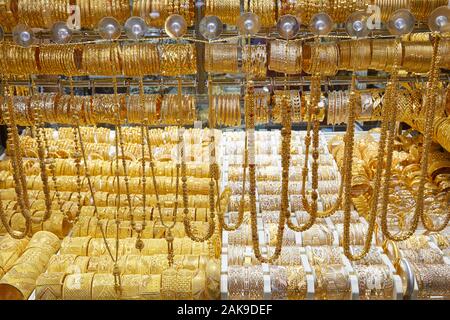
(213, 183)
(286, 122)
(429, 114)
(14, 146)
(384, 148)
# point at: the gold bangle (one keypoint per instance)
(78, 286)
(49, 286)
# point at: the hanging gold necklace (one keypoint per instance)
(306, 205)
(168, 233)
(285, 162)
(37, 128)
(388, 116)
(119, 142)
(118, 136)
(312, 113)
(77, 153)
(213, 182)
(139, 228)
(169, 237)
(429, 114)
(14, 146)
(286, 122)
(215, 175)
(50, 161)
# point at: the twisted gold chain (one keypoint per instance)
(388, 116)
(9, 117)
(285, 162)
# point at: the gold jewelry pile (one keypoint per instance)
(165, 165)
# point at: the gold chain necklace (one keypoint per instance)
(114, 258)
(76, 155)
(213, 182)
(312, 111)
(37, 128)
(214, 173)
(430, 115)
(312, 208)
(20, 177)
(9, 118)
(139, 228)
(306, 205)
(285, 162)
(168, 234)
(430, 109)
(388, 115)
(249, 99)
(51, 162)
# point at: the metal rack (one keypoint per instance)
(237, 81)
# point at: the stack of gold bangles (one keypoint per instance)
(228, 11)
(174, 111)
(245, 282)
(286, 57)
(140, 59)
(155, 12)
(60, 59)
(8, 14)
(288, 282)
(254, 61)
(93, 10)
(102, 59)
(221, 58)
(264, 9)
(19, 282)
(177, 59)
(38, 14)
(321, 58)
(228, 109)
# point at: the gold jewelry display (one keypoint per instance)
(286, 56)
(321, 58)
(254, 61)
(228, 109)
(60, 59)
(27, 56)
(93, 10)
(49, 286)
(375, 282)
(221, 58)
(286, 141)
(137, 59)
(314, 110)
(88, 122)
(102, 59)
(245, 283)
(432, 280)
(155, 12)
(295, 100)
(8, 14)
(332, 282)
(140, 59)
(19, 282)
(227, 11)
(171, 56)
(265, 9)
(386, 138)
(430, 110)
